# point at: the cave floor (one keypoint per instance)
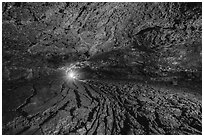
(54, 105)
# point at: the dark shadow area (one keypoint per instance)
(94, 68)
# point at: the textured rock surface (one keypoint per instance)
(157, 46)
(156, 38)
(104, 107)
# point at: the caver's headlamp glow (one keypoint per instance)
(71, 75)
(72, 72)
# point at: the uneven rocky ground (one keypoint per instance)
(57, 106)
(139, 67)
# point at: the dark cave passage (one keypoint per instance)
(125, 68)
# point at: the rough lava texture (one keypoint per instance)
(104, 107)
(141, 64)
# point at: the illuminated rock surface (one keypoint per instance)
(138, 65)
(56, 106)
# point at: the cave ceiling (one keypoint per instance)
(147, 38)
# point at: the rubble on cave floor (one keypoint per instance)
(104, 107)
(150, 54)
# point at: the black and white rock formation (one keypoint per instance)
(138, 65)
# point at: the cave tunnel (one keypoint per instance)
(95, 68)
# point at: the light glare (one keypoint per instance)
(71, 75)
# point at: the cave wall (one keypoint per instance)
(155, 38)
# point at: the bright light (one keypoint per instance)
(71, 75)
